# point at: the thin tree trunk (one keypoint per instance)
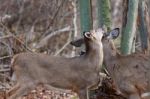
(74, 3)
(129, 26)
(85, 15)
(104, 15)
(86, 20)
(143, 26)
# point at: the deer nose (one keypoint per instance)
(100, 31)
(92, 31)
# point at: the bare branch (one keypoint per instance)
(4, 70)
(9, 33)
(44, 41)
(5, 57)
(5, 37)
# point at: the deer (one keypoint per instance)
(78, 74)
(130, 73)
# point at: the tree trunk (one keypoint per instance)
(104, 15)
(85, 15)
(129, 25)
(143, 14)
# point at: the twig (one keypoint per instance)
(2, 84)
(9, 33)
(5, 76)
(56, 13)
(44, 40)
(59, 51)
(10, 50)
(5, 70)
(5, 66)
(5, 37)
(23, 43)
(21, 16)
(5, 57)
(65, 45)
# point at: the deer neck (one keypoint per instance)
(94, 55)
(110, 54)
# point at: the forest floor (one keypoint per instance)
(106, 91)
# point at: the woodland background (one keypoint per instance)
(48, 26)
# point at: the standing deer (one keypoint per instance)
(77, 74)
(131, 73)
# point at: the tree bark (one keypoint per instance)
(104, 15)
(129, 26)
(85, 15)
(143, 14)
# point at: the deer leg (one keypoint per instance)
(13, 90)
(22, 90)
(130, 90)
(134, 96)
(18, 93)
(83, 94)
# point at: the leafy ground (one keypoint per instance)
(106, 91)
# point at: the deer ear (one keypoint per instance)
(87, 35)
(78, 42)
(114, 33)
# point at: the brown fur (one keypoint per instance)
(76, 74)
(131, 73)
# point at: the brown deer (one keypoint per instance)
(131, 73)
(77, 73)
